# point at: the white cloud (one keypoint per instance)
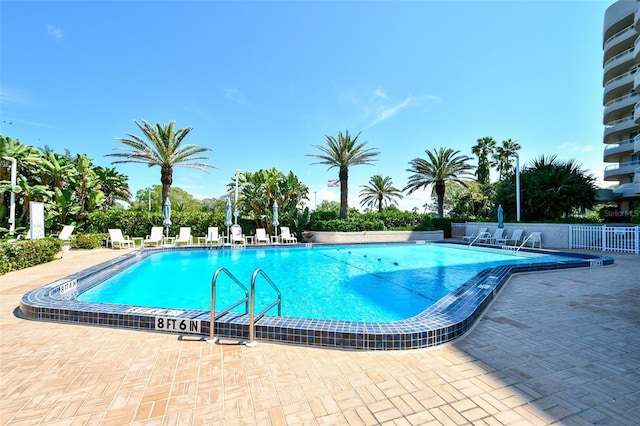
(235, 95)
(383, 108)
(54, 32)
(575, 147)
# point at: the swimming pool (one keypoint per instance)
(370, 283)
(418, 317)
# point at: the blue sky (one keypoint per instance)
(261, 82)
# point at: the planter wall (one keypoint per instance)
(376, 236)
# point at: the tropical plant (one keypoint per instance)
(550, 190)
(440, 166)
(260, 190)
(503, 157)
(114, 185)
(484, 149)
(162, 148)
(379, 192)
(343, 152)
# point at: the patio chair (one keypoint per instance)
(237, 238)
(472, 237)
(213, 236)
(184, 236)
(533, 238)
(515, 238)
(286, 236)
(261, 236)
(155, 238)
(488, 238)
(116, 238)
(65, 234)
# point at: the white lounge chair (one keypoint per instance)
(261, 236)
(237, 238)
(116, 238)
(488, 238)
(286, 236)
(472, 237)
(533, 238)
(155, 238)
(515, 238)
(184, 236)
(212, 237)
(65, 234)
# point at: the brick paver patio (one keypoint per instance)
(555, 348)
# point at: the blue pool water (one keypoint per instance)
(378, 283)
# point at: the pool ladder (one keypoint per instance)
(249, 300)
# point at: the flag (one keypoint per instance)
(332, 183)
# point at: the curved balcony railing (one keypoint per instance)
(621, 169)
(619, 36)
(636, 146)
(620, 57)
(617, 148)
(617, 126)
(622, 105)
(621, 98)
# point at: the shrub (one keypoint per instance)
(23, 254)
(89, 241)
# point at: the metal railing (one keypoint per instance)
(249, 300)
(212, 338)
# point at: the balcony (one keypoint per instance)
(619, 64)
(619, 107)
(618, 128)
(636, 146)
(621, 84)
(613, 152)
(616, 171)
(626, 35)
(626, 190)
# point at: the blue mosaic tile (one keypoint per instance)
(446, 320)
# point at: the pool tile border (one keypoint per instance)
(447, 319)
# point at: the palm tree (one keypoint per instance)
(484, 149)
(503, 155)
(113, 184)
(343, 153)
(442, 165)
(162, 148)
(380, 191)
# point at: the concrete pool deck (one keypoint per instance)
(555, 347)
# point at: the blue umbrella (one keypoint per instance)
(275, 218)
(500, 217)
(228, 221)
(166, 212)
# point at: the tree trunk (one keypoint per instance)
(440, 188)
(344, 192)
(166, 178)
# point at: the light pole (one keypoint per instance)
(12, 205)
(517, 187)
(235, 212)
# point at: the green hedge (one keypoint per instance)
(23, 254)
(391, 220)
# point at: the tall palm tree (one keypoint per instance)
(484, 149)
(162, 148)
(343, 153)
(379, 191)
(503, 155)
(442, 165)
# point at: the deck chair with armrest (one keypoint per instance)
(286, 237)
(515, 238)
(213, 236)
(535, 237)
(236, 237)
(261, 236)
(491, 239)
(155, 238)
(469, 238)
(184, 236)
(117, 239)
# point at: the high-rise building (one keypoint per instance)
(621, 81)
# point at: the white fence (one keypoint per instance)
(606, 238)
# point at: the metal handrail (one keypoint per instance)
(484, 235)
(252, 304)
(212, 338)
